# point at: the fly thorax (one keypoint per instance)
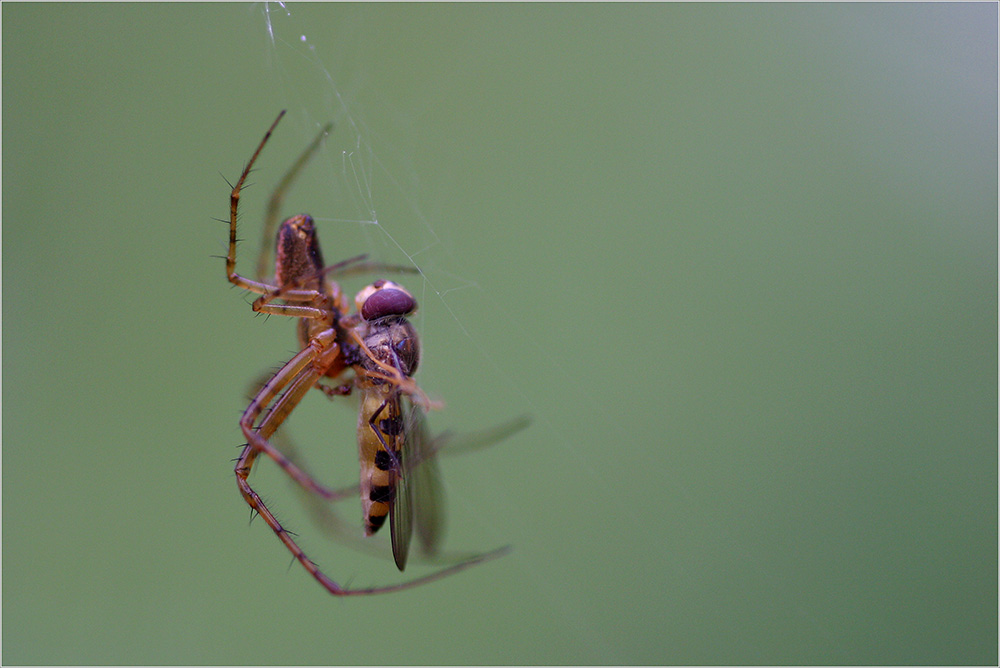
(392, 341)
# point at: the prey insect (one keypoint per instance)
(374, 349)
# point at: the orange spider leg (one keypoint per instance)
(298, 376)
(234, 200)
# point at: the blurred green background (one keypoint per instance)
(739, 262)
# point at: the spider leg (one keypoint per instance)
(342, 390)
(263, 304)
(277, 197)
(234, 201)
(292, 382)
(361, 265)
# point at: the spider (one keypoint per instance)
(380, 346)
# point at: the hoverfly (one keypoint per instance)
(380, 346)
(385, 431)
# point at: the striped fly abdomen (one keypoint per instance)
(380, 428)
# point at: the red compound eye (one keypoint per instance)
(387, 301)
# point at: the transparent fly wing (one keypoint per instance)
(425, 482)
(450, 444)
(401, 506)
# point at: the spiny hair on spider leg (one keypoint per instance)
(224, 245)
(295, 559)
(254, 514)
(275, 368)
(270, 503)
(263, 415)
(282, 529)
